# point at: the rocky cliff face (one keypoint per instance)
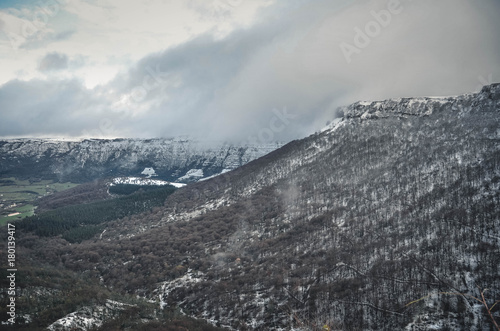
(484, 101)
(86, 160)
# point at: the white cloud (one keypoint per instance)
(100, 30)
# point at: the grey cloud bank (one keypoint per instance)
(291, 58)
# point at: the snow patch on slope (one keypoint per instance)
(87, 318)
(185, 281)
(220, 173)
(192, 174)
(143, 181)
(150, 172)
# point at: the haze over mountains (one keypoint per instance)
(398, 201)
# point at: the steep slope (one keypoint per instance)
(86, 160)
(398, 201)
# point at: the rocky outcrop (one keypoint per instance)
(424, 106)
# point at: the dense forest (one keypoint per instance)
(387, 220)
(96, 190)
(83, 221)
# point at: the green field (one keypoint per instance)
(17, 196)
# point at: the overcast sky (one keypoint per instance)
(230, 69)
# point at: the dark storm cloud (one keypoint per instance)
(199, 86)
(53, 62)
(233, 87)
(280, 79)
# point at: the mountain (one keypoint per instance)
(389, 219)
(172, 159)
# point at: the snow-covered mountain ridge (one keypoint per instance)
(423, 106)
(93, 158)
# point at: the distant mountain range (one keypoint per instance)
(173, 159)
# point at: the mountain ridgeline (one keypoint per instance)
(386, 220)
(87, 160)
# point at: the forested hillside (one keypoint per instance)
(398, 201)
